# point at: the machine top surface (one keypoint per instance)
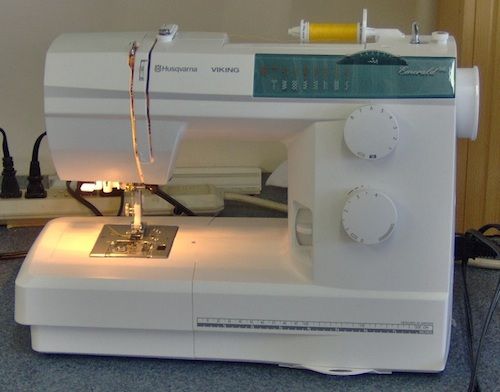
(206, 66)
(220, 43)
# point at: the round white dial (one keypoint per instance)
(369, 216)
(371, 132)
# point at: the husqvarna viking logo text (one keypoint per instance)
(192, 69)
(225, 69)
(168, 68)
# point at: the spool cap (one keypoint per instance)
(440, 37)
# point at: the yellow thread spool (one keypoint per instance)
(333, 32)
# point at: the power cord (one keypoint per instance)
(257, 201)
(12, 255)
(35, 188)
(179, 208)
(472, 244)
(81, 199)
(122, 203)
(10, 186)
(77, 196)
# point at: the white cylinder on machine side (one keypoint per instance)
(467, 102)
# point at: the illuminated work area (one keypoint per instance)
(356, 278)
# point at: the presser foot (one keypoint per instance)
(118, 241)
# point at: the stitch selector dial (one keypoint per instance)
(371, 132)
(369, 216)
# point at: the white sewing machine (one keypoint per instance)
(358, 279)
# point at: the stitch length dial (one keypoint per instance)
(369, 216)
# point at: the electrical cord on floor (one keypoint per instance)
(10, 186)
(483, 263)
(12, 255)
(179, 208)
(484, 259)
(81, 199)
(257, 201)
(35, 188)
(472, 244)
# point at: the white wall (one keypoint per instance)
(28, 26)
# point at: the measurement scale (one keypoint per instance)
(418, 328)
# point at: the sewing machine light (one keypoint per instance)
(105, 186)
(88, 187)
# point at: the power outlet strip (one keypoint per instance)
(188, 186)
(201, 199)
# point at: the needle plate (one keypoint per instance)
(115, 241)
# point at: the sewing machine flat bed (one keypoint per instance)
(229, 290)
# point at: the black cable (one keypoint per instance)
(469, 325)
(122, 203)
(12, 255)
(82, 200)
(10, 186)
(478, 235)
(35, 188)
(469, 248)
(5, 144)
(489, 226)
(178, 207)
(487, 322)
(484, 240)
(36, 146)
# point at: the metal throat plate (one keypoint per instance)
(115, 241)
